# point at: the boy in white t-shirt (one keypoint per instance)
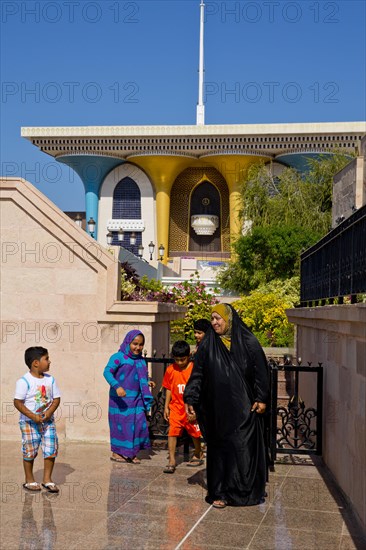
(36, 398)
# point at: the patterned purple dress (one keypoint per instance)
(127, 415)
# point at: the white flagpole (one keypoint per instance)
(200, 121)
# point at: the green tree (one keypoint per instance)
(287, 214)
(272, 253)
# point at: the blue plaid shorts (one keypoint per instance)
(34, 435)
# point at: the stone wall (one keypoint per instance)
(60, 290)
(336, 337)
(349, 187)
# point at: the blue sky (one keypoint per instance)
(75, 62)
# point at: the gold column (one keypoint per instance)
(162, 171)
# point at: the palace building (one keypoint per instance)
(179, 186)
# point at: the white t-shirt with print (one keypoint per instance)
(37, 393)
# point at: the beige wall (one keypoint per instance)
(336, 337)
(349, 187)
(60, 290)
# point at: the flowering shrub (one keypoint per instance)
(192, 294)
(141, 290)
(198, 300)
(265, 315)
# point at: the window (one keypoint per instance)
(127, 206)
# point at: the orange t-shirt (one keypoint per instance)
(175, 380)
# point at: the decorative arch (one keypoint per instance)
(127, 193)
(205, 200)
(185, 194)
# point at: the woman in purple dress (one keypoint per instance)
(129, 399)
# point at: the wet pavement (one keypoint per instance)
(107, 505)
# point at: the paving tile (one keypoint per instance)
(174, 486)
(306, 520)
(222, 535)
(307, 472)
(39, 523)
(311, 494)
(280, 469)
(253, 515)
(160, 507)
(280, 538)
(202, 546)
(168, 527)
(122, 543)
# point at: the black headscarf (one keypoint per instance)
(202, 325)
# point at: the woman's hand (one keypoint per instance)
(191, 417)
(190, 412)
(258, 407)
(166, 414)
(120, 392)
(152, 384)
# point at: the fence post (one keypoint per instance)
(273, 420)
(319, 407)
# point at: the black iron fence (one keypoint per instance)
(335, 267)
(292, 426)
(157, 425)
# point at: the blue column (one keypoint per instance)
(92, 203)
(92, 170)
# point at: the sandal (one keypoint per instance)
(169, 469)
(51, 487)
(32, 486)
(219, 504)
(195, 461)
(122, 458)
(135, 460)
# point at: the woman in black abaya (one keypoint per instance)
(228, 391)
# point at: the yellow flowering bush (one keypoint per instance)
(265, 315)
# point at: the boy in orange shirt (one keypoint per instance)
(175, 379)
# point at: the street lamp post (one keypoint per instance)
(78, 220)
(151, 249)
(161, 252)
(140, 251)
(140, 248)
(133, 239)
(120, 235)
(109, 238)
(91, 227)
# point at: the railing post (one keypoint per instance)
(319, 407)
(273, 420)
